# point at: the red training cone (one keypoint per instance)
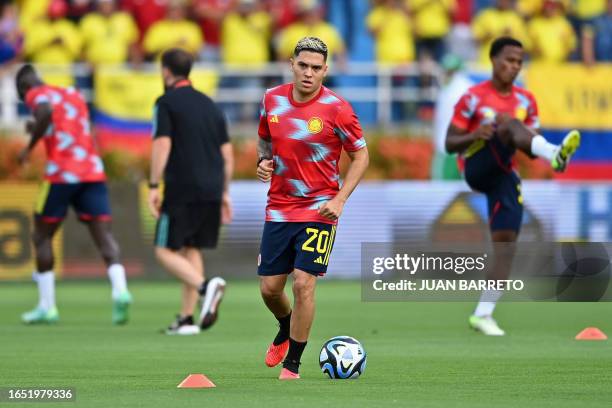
(591, 333)
(196, 381)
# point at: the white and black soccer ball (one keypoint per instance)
(342, 357)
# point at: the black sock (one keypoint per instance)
(284, 324)
(202, 289)
(292, 361)
(186, 320)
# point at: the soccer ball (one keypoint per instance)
(342, 357)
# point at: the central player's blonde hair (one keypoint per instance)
(312, 44)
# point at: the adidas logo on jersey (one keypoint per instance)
(319, 260)
(274, 119)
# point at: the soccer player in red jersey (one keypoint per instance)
(491, 121)
(302, 130)
(74, 176)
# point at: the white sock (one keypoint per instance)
(41, 303)
(46, 289)
(116, 274)
(488, 300)
(542, 148)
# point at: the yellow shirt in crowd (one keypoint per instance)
(393, 35)
(432, 17)
(552, 39)
(530, 8)
(296, 31)
(167, 34)
(107, 39)
(587, 9)
(52, 42)
(31, 11)
(492, 23)
(245, 40)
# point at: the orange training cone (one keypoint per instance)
(591, 333)
(196, 381)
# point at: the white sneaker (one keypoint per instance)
(486, 325)
(211, 301)
(185, 330)
(182, 326)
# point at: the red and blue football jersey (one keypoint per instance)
(481, 104)
(307, 139)
(71, 152)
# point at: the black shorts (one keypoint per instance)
(489, 171)
(288, 245)
(188, 225)
(89, 200)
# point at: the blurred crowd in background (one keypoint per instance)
(248, 33)
(401, 63)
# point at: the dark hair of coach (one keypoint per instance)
(178, 62)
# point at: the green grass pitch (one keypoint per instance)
(419, 354)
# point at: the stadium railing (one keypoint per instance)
(373, 88)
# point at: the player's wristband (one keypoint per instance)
(153, 185)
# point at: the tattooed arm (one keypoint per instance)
(265, 165)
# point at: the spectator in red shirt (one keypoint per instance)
(283, 12)
(210, 14)
(146, 13)
(463, 12)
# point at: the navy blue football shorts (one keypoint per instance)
(286, 246)
(89, 200)
(489, 171)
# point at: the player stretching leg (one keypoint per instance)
(74, 177)
(491, 121)
(302, 129)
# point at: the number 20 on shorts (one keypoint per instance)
(319, 240)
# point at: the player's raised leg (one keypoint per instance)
(273, 294)
(46, 310)
(516, 133)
